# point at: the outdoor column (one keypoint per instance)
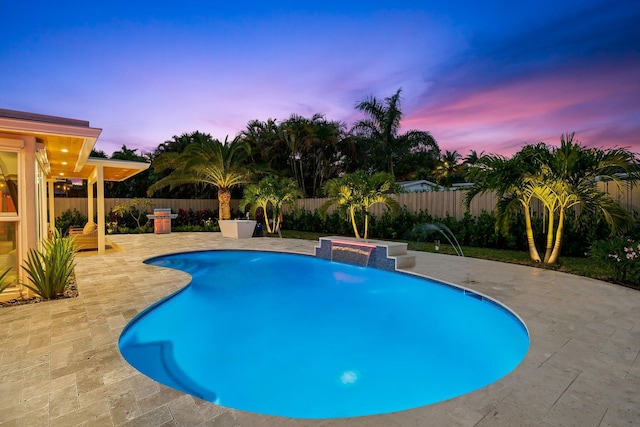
(90, 200)
(52, 211)
(101, 222)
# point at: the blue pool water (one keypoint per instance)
(297, 336)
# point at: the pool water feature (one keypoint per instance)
(298, 336)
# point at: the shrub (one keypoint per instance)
(622, 255)
(50, 269)
(70, 218)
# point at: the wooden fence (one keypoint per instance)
(437, 203)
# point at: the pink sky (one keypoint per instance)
(478, 76)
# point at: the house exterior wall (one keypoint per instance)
(26, 218)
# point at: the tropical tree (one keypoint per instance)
(137, 185)
(560, 178)
(305, 149)
(357, 192)
(209, 162)
(448, 170)
(266, 152)
(569, 180)
(271, 194)
(177, 144)
(379, 132)
(509, 179)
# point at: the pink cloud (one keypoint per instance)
(600, 105)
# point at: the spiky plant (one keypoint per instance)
(50, 269)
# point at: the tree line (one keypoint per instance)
(310, 150)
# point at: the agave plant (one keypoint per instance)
(51, 268)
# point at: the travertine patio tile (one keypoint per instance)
(10, 393)
(143, 386)
(124, 408)
(156, 417)
(89, 378)
(583, 363)
(100, 421)
(24, 407)
(81, 415)
(48, 386)
(111, 377)
(36, 374)
(63, 401)
(184, 411)
(102, 393)
(240, 419)
(39, 417)
(161, 398)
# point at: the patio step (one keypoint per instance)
(404, 261)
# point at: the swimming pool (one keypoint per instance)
(297, 336)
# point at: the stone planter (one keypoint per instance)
(237, 228)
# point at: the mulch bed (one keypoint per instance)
(71, 291)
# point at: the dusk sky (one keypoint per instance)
(486, 76)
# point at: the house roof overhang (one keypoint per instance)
(68, 144)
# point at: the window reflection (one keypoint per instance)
(8, 258)
(8, 184)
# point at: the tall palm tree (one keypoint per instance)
(358, 192)
(265, 152)
(209, 162)
(274, 193)
(381, 127)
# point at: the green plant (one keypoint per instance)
(356, 193)
(622, 255)
(271, 193)
(136, 208)
(50, 268)
(69, 218)
(6, 279)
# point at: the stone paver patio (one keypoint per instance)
(60, 364)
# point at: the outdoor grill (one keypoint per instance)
(162, 220)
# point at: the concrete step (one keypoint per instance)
(395, 249)
(404, 261)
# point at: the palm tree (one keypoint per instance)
(448, 169)
(209, 162)
(265, 151)
(560, 178)
(271, 192)
(509, 179)
(569, 179)
(358, 192)
(380, 129)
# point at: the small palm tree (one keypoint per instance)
(448, 168)
(209, 162)
(509, 179)
(560, 178)
(358, 192)
(274, 193)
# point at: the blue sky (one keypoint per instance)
(486, 76)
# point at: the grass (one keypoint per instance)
(578, 266)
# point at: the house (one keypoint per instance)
(419, 185)
(35, 152)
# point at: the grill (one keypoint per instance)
(162, 220)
